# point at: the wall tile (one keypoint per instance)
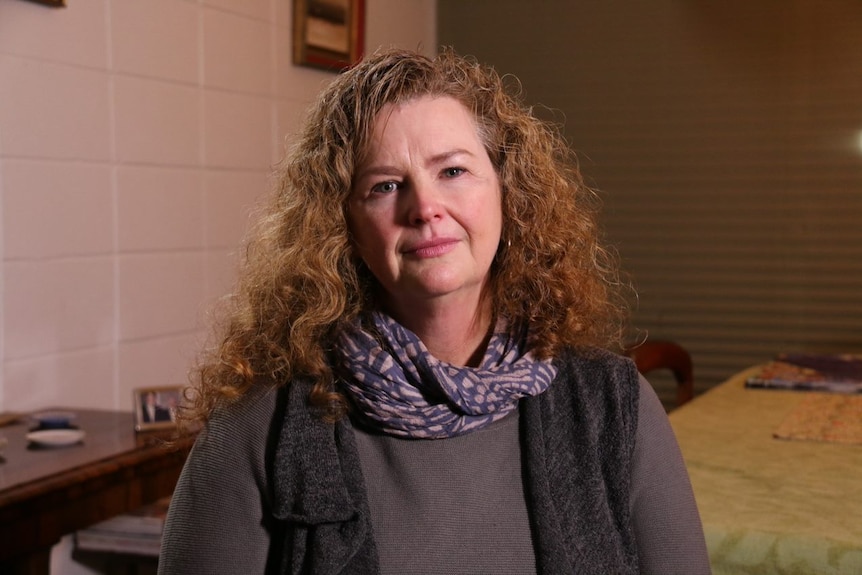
(283, 17)
(81, 379)
(257, 9)
(156, 362)
(238, 131)
(57, 305)
(159, 209)
(88, 95)
(73, 36)
(158, 38)
(416, 30)
(221, 274)
(230, 199)
(160, 294)
(54, 209)
(157, 122)
(289, 118)
(53, 111)
(299, 83)
(237, 53)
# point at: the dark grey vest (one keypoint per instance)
(577, 442)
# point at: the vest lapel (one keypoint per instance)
(319, 493)
(578, 437)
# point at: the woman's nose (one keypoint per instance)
(424, 203)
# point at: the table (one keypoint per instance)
(46, 493)
(769, 505)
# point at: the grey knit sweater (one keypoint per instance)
(593, 489)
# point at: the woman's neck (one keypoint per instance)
(450, 334)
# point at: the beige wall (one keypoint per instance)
(134, 136)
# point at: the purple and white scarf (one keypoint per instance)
(402, 390)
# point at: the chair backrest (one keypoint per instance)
(663, 354)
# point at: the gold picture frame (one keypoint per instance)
(328, 34)
(156, 407)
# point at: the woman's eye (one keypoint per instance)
(453, 172)
(385, 187)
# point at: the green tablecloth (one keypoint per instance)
(769, 505)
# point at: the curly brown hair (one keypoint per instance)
(301, 282)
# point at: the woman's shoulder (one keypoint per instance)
(225, 476)
(597, 383)
(594, 362)
(255, 405)
(243, 425)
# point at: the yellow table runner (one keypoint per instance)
(769, 505)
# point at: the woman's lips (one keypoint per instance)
(432, 248)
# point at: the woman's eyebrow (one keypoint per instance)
(373, 170)
(389, 170)
(444, 157)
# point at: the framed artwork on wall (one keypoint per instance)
(328, 34)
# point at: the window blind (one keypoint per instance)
(725, 140)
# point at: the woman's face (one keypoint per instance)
(425, 210)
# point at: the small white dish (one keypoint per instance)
(56, 437)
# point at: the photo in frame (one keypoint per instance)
(156, 407)
(51, 3)
(328, 34)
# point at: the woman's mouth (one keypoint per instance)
(432, 248)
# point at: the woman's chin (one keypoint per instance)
(438, 292)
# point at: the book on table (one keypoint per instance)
(137, 532)
(837, 373)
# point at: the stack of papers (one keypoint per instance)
(138, 532)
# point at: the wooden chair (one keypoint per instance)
(662, 354)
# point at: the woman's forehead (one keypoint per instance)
(432, 125)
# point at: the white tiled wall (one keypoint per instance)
(135, 138)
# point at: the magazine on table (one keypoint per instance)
(137, 532)
(836, 373)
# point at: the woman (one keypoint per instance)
(411, 378)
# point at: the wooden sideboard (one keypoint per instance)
(48, 492)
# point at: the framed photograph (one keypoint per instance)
(156, 407)
(328, 34)
(52, 3)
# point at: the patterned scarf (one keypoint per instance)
(402, 390)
